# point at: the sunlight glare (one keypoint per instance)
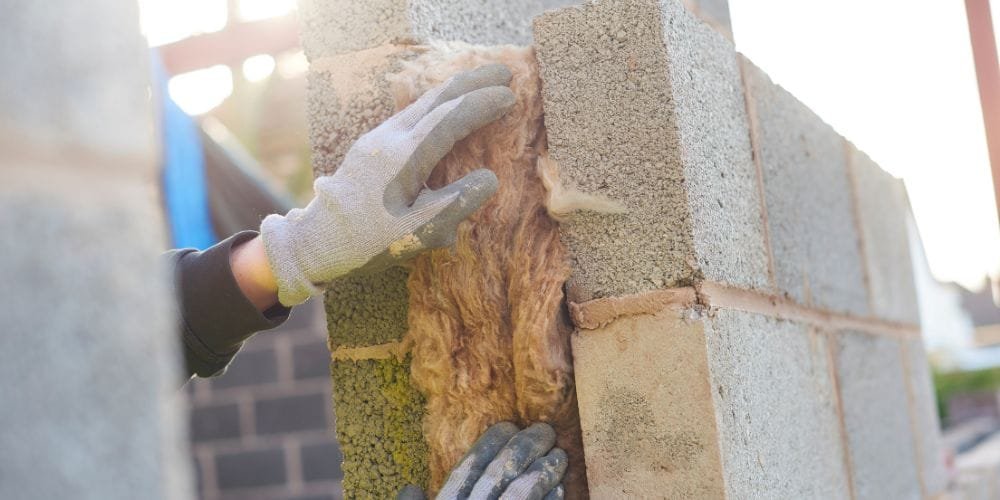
(292, 64)
(258, 67)
(255, 10)
(166, 21)
(200, 91)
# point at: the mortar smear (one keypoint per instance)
(487, 320)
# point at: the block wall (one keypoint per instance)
(351, 46)
(749, 328)
(88, 352)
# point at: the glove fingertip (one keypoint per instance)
(557, 493)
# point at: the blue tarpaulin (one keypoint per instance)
(185, 190)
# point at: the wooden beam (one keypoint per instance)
(984, 53)
(232, 45)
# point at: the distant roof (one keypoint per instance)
(981, 306)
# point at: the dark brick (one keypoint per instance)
(311, 360)
(289, 414)
(321, 461)
(199, 475)
(246, 469)
(251, 367)
(316, 497)
(215, 422)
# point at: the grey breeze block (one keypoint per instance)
(776, 404)
(809, 204)
(882, 212)
(643, 104)
(338, 26)
(876, 416)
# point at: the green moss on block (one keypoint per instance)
(367, 310)
(378, 426)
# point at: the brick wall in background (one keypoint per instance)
(264, 429)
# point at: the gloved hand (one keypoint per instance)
(374, 211)
(507, 464)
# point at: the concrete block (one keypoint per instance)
(876, 416)
(338, 26)
(643, 104)
(927, 426)
(713, 12)
(76, 80)
(348, 95)
(367, 310)
(776, 406)
(646, 409)
(810, 212)
(882, 209)
(378, 417)
(89, 351)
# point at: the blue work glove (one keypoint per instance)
(506, 464)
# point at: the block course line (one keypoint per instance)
(71, 158)
(708, 295)
(600, 312)
(389, 350)
(720, 296)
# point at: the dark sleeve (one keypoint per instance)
(214, 315)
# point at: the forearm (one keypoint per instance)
(254, 275)
(217, 312)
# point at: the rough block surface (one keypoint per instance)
(331, 27)
(348, 95)
(89, 351)
(367, 310)
(926, 425)
(721, 179)
(810, 211)
(646, 409)
(94, 375)
(70, 67)
(340, 26)
(776, 405)
(378, 416)
(876, 416)
(882, 212)
(643, 105)
(714, 12)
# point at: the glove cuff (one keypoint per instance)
(294, 287)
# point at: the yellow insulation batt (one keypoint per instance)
(487, 320)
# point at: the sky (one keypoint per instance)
(896, 77)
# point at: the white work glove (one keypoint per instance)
(506, 464)
(374, 211)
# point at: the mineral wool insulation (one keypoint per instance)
(487, 319)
